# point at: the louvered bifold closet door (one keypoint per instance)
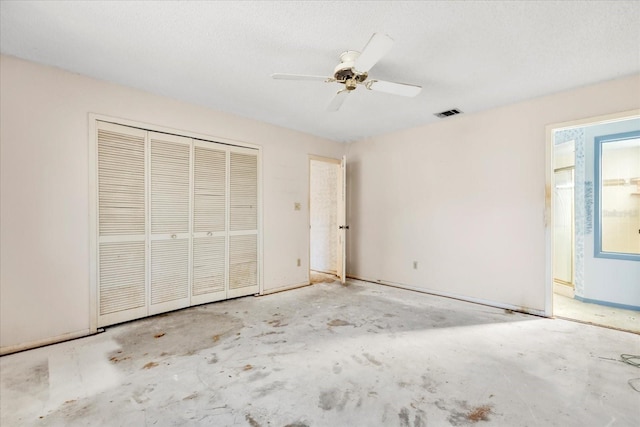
(170, 222)
(209, 222)
(243, 222)
(121, 258)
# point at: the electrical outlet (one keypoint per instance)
(299, 262)
(415, 265)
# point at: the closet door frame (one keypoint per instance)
(230, 144)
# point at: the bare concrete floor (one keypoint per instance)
(328, 355)
(612, 317)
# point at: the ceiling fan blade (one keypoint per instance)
(393, 88)
(337, 100)
(281, 76)
(378, 46)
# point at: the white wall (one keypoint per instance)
(465, 198)
(44, 278)
(324, 215)
(607, 280)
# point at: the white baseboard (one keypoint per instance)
(455, 296)
(284, 288)
(39, 343)
(565, 290)
(335, 273)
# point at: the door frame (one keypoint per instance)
(549, 181)
(573, 231)
(338, 163)
(92, 138)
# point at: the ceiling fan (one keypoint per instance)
(353, 70)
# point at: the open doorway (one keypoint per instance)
(325, 255)
(591, 207)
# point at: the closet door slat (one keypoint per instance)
(169, 187)
(208, 265)
(122, 276)
(243, 205)
(169, 270)
(243, 261)
(121, 184)
(209, 189)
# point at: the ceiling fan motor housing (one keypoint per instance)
(346, 73)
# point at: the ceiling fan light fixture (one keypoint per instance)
(351, 84)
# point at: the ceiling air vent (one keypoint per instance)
(448, 113)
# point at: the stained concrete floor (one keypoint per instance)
(328, 355)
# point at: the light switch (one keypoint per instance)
(297, 206)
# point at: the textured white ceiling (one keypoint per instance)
(471, 55)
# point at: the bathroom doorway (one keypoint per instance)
(587, 284)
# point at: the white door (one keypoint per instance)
(121, 218)
(209, 222)
(243, 222)
(170, 234)
(342, 221)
